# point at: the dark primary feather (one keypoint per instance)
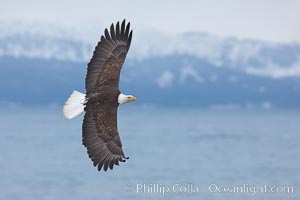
(118, 35)
(99, 130)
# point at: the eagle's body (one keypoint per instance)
(99, 130)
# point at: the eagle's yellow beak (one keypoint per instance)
(132, 99)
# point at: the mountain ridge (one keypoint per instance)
(201, 70)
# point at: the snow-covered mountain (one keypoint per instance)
(192, 69)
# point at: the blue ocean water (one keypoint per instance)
(192, 153)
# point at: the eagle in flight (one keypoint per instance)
(99, 129)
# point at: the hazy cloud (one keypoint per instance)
(267, 20)
(188, 71)
(165, 80)
(275, 71)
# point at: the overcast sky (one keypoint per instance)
(272, 20)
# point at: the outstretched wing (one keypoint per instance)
(100, 136)
(109, 55)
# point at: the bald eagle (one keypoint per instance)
(99, 129)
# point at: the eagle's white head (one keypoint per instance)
(122, 99)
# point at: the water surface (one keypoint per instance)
(42, 156)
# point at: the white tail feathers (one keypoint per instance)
(74, 105)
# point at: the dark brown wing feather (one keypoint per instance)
(100, 135)
(109, 55)
(99, 130)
